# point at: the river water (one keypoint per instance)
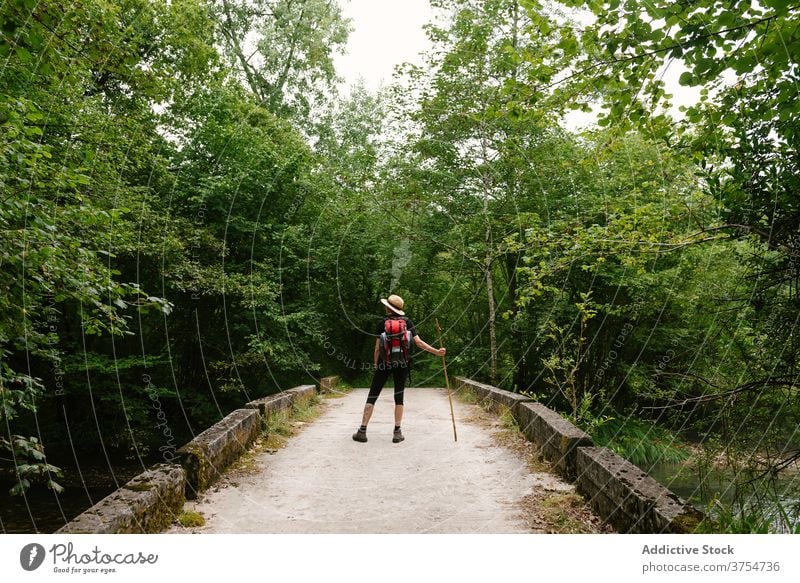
(684, 480)
(40, 510)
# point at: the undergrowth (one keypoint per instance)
(641, 442)
(279, 426)
(467, 396)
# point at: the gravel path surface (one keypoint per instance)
(324, 482)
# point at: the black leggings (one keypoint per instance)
(399, 374)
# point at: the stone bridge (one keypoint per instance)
(517, 467)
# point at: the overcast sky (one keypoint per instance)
(389, 32)
(386, 33)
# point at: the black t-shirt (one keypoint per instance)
(381, 327)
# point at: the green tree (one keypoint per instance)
(289, 64)
(743, 57)
(478, 124)
(76, 93)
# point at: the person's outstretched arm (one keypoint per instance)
(428, 348)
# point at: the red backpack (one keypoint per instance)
(395, 341)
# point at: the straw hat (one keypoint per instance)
(395, 304)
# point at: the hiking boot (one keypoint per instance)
(398, 436)
(360, 436)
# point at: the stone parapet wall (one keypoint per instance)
(151, 500)
(148, 503)
(207, 455)
(558, 439)
(271, 403)
(629, 498)
(328, 384)
(302, 393)
(495, 398)
(617, 490)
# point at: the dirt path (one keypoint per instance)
(324, 482)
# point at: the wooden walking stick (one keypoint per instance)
(447, 381)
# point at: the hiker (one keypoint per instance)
(391, 355)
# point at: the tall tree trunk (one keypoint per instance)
(519, 349)
(230, 32)
(276, 96)
(489, 244)
(490, 295)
